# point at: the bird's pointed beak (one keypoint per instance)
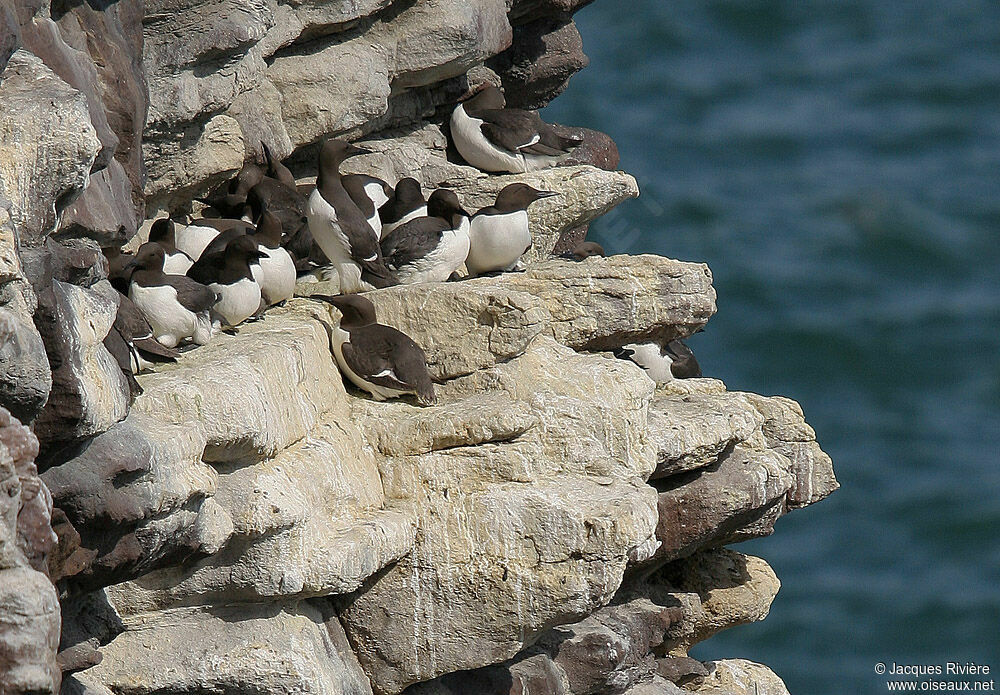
(547, 194)
(354, 150)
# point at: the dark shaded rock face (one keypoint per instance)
(25, 380)
(29, 610)
(47, 146)
(545, 52)
(96, 48)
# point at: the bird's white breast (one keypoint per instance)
(438, 265)
(193, 239)
(170, 321)
(276, 276)
(176, 264)
(238, 301)
(649, 356)
(377, 195)
(497, 241)
(326, 230)
(476, 149)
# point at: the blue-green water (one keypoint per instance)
(837, 164)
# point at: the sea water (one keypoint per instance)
(837, 164)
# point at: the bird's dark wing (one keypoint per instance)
(412, 241)
(365, 251)
(550, 142)
(509, 129)
(192, 295)
(354, 184)
(119, 349)
(389, 359)
(130, 321)
(284, 202)
(623, 353)
(684, 365)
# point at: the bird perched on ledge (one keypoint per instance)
(175, 261)
(491, 137)
(230, 274)
(430, 249)
(176, 306)
(406, 203)
(378, 359)
(339, 227)
(499, 234)
(675, 360)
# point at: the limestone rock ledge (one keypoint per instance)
(296, 535)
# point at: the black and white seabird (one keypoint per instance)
(406, 203)
(430, 249)
(176, 306)
(674, 360)
(499, 234)
(175, 261)
(339, 227)
(491, 137)
(369, 193)
(141, 348)
(583, 251)
(379, 359)
(229, 274)
(277, 269)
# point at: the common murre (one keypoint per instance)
(378, 359)
(175, 261)
(583, 251)
(137, 334)
(430, 249)
(406, 203)
(491, 137)
(176, 306)
(499, 233)
(229, 274)
(340, 229)
(674, 360)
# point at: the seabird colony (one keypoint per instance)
(262, 230)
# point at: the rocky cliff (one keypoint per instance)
(556, 523)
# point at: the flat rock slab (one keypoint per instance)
(254, 394)
(248, 648)
(604, 303)
(691, 432)
(309, 522)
